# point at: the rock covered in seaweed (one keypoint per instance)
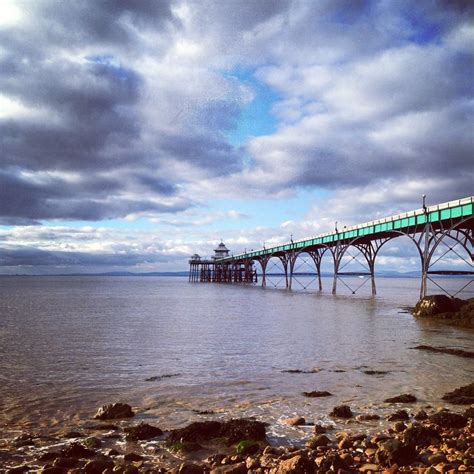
(461, 396)
(404, 398)
(142, 431)
(234, 430)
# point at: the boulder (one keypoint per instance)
(461, 396)
(404, 398)
(341, 411)
(197, 431)
(141, 432)
(420, 436)
(238, 429)
(393, 451)
(113, 411)
(447, 419)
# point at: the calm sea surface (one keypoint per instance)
(71, 344)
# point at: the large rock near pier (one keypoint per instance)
(451, 310)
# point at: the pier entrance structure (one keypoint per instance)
(436, 231)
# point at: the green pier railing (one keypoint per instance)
(442, 212)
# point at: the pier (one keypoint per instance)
(435, 231)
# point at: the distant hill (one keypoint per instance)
(117, 274)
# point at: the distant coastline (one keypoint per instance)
(388, 274)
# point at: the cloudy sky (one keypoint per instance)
(134, 133)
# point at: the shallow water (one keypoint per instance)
(70, 344)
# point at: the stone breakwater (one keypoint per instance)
(427, 440)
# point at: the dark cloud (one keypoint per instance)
(70, 67)
(31, 256)
(24, 201)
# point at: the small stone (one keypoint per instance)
(131, 457)
(92, 442)
(267, 460)
(436, 458)
(345, 443)
(405, 398)
(98, 466)
(341, 411)
(66, 462)
(252, 463)
(317, 394)
(421, 415)
(190, 468)
(215, 459)
(317, 441)
(76, 450)
(114, 411)
(347, 458)
(399, 426)
(369, 467)
(400, 415)
(53, 470)
(320, 429)
(240, 468)
(295, 465)
(367, 417)
(19, 469)
(247, 447)
(295, 421)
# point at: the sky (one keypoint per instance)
(136, 133)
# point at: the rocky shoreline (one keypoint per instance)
(423, 440)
